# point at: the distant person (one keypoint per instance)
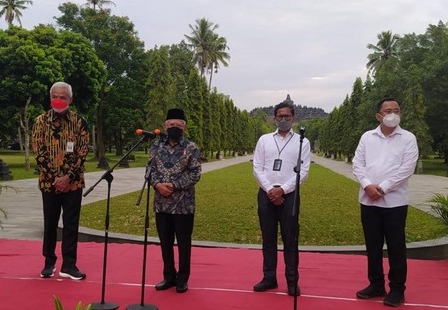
(175, 169)
(384, 161)
(275, 157)
(60, 142)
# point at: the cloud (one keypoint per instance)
(312, 50)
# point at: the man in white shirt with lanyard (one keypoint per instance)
(275, 158)
(384, 161)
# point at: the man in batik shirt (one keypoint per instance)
(60, 142)
(175, 169)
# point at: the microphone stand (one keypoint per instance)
(295, 213)
(142, 305)
(102, 305)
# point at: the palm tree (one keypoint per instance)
(11, 9)
(209, 47)
(99, 3)
(218, 54)
(383, 50)
(202, 34)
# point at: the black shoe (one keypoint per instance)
(164, 285)
(292, 290)
(371, 292)
(265, 285)
(394, 298)
(181, 287)
(72, 273)
(48, 271)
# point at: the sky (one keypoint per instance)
(312, 50)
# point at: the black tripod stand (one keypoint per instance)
(103, 305)
(142, 305)
(296, 210)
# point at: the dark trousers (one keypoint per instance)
(270, 216)
(388, 224)
(179, 226)
(70, 204)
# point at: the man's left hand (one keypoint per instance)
(62, 184)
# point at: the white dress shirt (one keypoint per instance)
(273, 146)
(388, 162)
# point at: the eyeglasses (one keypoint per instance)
(284, 117)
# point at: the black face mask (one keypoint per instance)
(174, 133)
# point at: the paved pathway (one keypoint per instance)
(421, 186)
(24, 208)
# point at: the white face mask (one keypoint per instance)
(391, 120)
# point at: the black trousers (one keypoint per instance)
(179, 226)
(388, 224)
(70, 204)
(270, 216)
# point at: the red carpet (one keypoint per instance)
(220, 279)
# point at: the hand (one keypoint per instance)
(275, 196)
(62, 184)
(278, 202)
(374, 191)
(165, 189)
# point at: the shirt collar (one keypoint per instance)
(291, 132)
(182, 142)
(397, 131)
(53, 115)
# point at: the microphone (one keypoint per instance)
(150, 134)
(302, 132)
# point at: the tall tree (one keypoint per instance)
(202, 34)
(218, 55)
(348, 112)
(12, 10)
(117, 45)
(159, 87)
(210, 49)
(99, 3)
(31, 61)
(385, 48)
(195, 107)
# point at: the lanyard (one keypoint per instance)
(276, 144)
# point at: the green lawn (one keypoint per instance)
(227, 212)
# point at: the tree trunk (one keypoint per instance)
(100, 148)
(25, 125)
(210, 80)
(118, 142)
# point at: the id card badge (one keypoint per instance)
(70, 147)
(277, 165)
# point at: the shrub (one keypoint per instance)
(59, 306)
(439, 204)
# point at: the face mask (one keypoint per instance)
(174, 133)
(283, 125)
(391, 120)
(59, 105)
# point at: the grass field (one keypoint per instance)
(227, 212)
